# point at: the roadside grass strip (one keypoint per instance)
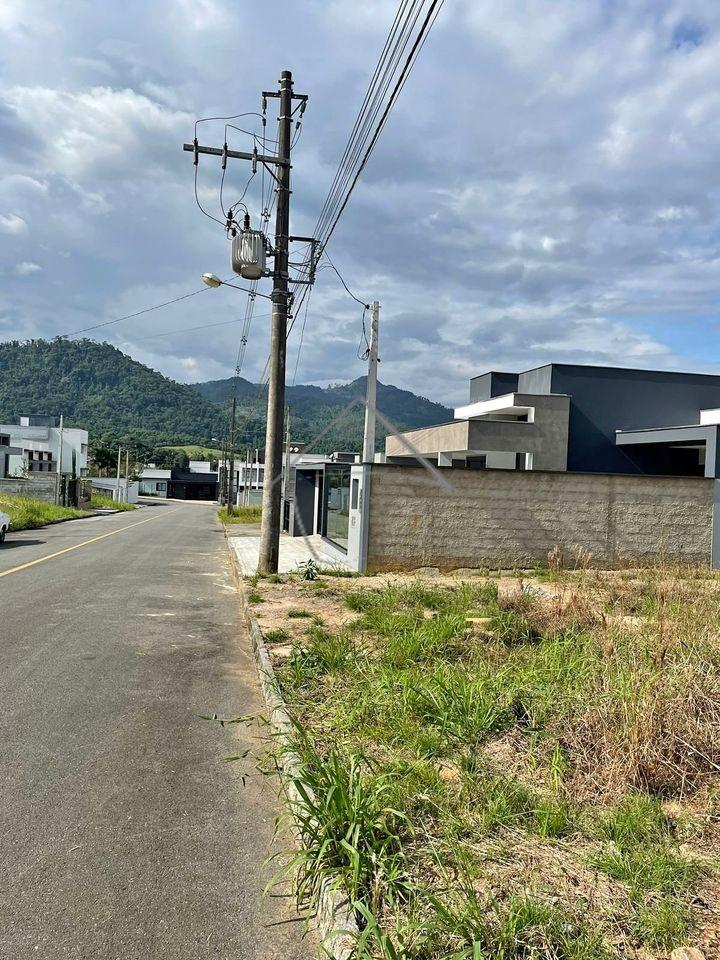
(493, 774)
(101, 502)
(27, 513)
(241, 515)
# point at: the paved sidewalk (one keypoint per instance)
(293, 550)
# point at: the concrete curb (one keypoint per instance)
(334, 919)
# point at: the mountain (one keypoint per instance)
(315, 410)
(98, 387)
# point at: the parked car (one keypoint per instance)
(4, 525)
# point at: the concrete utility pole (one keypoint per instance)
(272, 494)
(371, 393)
(58, 485)
(231, 461)
(117, 479)
(286, 470)
(127, 473)
(271, 504)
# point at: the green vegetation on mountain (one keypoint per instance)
(318, 410)
(121, 401)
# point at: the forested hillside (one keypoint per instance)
(98, 387)
(313, 409)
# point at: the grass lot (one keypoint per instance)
(499, 775)
(241, 515)
(27, 514)
(100, 502)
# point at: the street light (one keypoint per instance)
(211, 280)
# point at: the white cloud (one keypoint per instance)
(12, 224)
(96, 128)
(26, 267)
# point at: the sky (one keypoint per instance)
(546, 187)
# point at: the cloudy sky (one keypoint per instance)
(546, 188)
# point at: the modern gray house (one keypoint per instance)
(569, 417)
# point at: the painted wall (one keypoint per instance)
(506, 518)
(107, 486)
(606, 399)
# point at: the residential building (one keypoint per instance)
(38, 444)
(179, 484)
(570, 417)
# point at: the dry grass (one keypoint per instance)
(552, 763)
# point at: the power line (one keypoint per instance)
(138, 313)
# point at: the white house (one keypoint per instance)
(40, 445)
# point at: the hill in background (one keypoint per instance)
(98, 387)
(314, 409)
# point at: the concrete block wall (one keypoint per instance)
(39, 488)
(503, 518)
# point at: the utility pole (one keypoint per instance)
(371, 393)
(117, 479)
(231, 464)
(248, 478)
(58, 487)
(286, 471)
(271, 502)
(256, 471)
(127, 473)
(272, 494)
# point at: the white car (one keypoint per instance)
(4, 525)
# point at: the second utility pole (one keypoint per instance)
(371, 392)
(271, 502)
(231, 464)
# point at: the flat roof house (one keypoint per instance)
(41, 445)
(571, 417)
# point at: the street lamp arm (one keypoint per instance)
(210, 280)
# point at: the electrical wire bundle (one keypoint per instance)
(413, 21)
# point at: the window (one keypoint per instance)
(39, 461)
(4, 440)
(355, 494)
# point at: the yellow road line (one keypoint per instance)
(76, 546)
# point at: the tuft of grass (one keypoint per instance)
(323, 652)
(664, 923)
(278, 635)
(296, 614)
(254, 596)
(637, 819)
(649, 867)
(27, 513)
(349, 830)
(241, 514)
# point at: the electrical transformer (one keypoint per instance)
(248, 254)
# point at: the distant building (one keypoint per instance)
(179, 484)
(38, 444)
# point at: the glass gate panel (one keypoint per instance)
(337, 504)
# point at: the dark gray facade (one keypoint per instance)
(604, 400)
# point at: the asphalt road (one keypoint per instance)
(123, 834)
